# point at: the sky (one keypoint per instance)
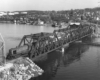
(18, 5)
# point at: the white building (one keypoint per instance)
(3, 13)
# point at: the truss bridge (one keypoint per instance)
(40, 43)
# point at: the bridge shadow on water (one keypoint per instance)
(56, 59)
(74, 53)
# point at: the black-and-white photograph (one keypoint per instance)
(50, 40)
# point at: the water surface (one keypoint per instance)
(79, 61)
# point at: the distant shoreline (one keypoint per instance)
(10, 22)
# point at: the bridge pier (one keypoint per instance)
(63, 48)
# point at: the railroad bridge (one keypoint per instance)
(35, 44)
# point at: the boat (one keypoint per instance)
(54, 24)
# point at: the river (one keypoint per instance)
(79, 61)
